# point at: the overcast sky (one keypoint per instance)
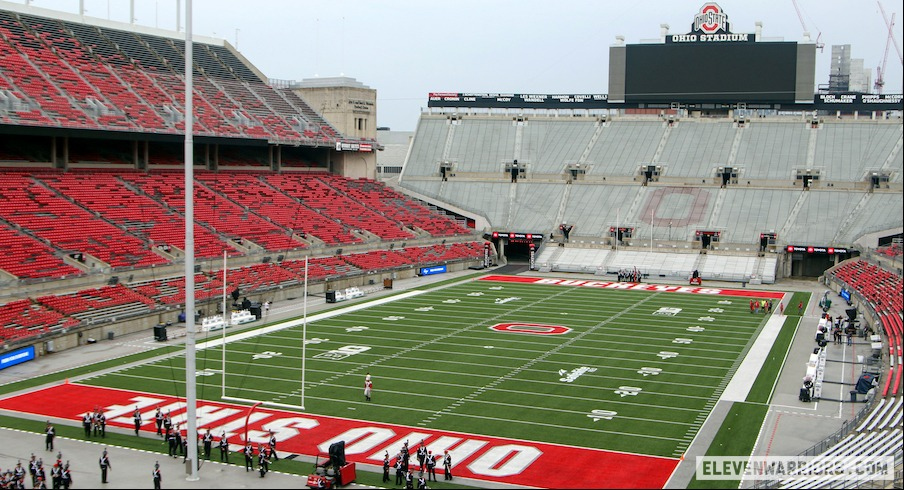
(407, 48)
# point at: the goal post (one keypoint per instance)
(304, 337)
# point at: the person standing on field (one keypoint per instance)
(368, 387)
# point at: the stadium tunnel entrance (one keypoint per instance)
(814, 261)
(517, 247)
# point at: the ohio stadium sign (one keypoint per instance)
(710, 25)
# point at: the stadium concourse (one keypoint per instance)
(791, 427)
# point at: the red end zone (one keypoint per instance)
(512, 461)
(631, 286)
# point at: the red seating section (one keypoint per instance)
(48, 216)
(23, 319)
(139, 215)
(96, 299)
(394, 205)
(216, 212)
(316, 194)
(251, 192)
(122, 106)
(27, 258)
(81, 76)
(893, 250)
(880, 287)
(436, 254)
(172, 291)
(321, 268)
(885, 293)
(24, 73)
(120, 217)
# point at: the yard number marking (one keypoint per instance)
(624, 391)
(649, 371)
(599, 414)
(267, 354)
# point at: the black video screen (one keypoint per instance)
(711, 72)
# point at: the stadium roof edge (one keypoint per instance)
(111, 24)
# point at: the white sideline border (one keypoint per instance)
(300, 321)
(739, 386)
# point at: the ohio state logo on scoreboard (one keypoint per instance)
(710, 20)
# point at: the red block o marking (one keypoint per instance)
(531, 328)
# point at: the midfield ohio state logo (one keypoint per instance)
(531, 328)
(711, 19)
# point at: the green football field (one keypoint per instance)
(630, 371)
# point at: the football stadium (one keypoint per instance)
(684, 282)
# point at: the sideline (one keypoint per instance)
(750, 367)
(301, 321)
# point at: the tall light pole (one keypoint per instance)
(191, 435)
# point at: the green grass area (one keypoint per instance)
(654, 373)
(736, 437)
(761, 391)
(797, 298)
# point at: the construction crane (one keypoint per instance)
(800, 16)
(880, 70)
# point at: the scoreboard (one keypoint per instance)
(716, 72)
(711, 64)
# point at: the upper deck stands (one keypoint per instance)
(695, 149)
(623, 146)
(772, 150)
(766, 155)
(77, 75)
(548, 145)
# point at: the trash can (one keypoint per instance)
(256, 311)
(387, 283)
(330, 296)
(853, 396)
(109, 335)
(160, 333)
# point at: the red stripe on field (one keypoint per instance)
(631, 286)
(485, 458)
